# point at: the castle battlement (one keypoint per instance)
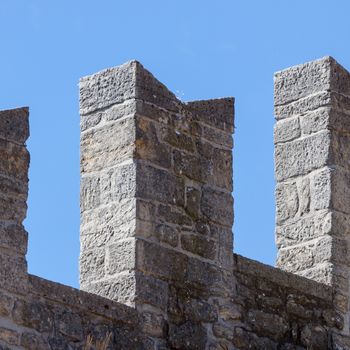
(157, 268)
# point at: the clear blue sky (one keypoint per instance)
(199, 49)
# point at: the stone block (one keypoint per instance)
(13, 271)
(199, 245)
(187, 336)
(314, 337)
(308, 255)
(287, 130)
(13, 237)
(34, 341)
(198, 310)
(161, 262)
(107, 146)
(9, 336)
(218, 113)
(13, 188)
(153, 91)
(301, 156)
(300, 81)
(159, 185)
(340, 78)
(92, 265)
(14, 125)
(340, 149)
(177, 138)
(174, 215)
(14, 161)
(148, 146)
(102, 226)
(220, 165)
(120, 288)
(192, 166)
(121, 256)
(153, 324)
(304, 105)
(112, 113)
(287, 201)
(70, 325)
(145, 210)
(12, 209)
(152, 291)
(117, 184)
(108, 87)
(207, 276)
(217, 206)
(217, 136)
(193, 198)
(35, 315)
(167, 234)
(316, 120)
(266, 324)
(304, 229)
(6, 304)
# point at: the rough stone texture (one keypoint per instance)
(282, 310)
(312, 171)
(14, 163)
(168, 164)
(156, 223)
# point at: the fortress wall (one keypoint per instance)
(282, 310)
(156, 257)
(54, 316)
(312, 151)
(156, 203)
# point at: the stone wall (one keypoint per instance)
(156, 266)
(156, 202)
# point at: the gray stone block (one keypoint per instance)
(14, 125)
(301, 156)
(303, 80)
(287, 130)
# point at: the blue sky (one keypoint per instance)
(199, 49)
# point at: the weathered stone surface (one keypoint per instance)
(107, 146)
(14, 161)
(161, 262)
(304, 229)
(9, 336)
(217, 206)
(217, 113)
(302, 80)
(108, 87)
(92, 265)
(217, 136)
(14, 125)
(156, 231)
(199, 245)
(301, 156)
(13, 237)
(187, 336)
(13, 271)
(148, 145)
(120, 256)
(112, 113)
(287, 201)
(316, 120)
(169, 188)
(287, 130)
(270, 324)
(193, 198)
(309, 254)
(304, 105)
(33, 341)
